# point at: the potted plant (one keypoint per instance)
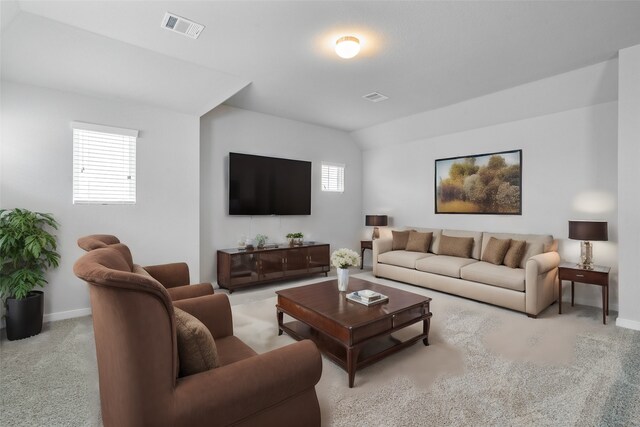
(295, 238)
(27, 250)
(261, 239)
(342, 259)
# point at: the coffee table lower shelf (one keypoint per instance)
(362, 354)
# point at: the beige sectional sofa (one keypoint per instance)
(530, 288)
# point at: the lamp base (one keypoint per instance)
(586, 255)
(376, 233)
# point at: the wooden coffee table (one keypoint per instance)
(350, 334)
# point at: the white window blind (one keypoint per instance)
(332, 177)
(104, 164)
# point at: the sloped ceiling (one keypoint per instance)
(424, 55)
(46, 53)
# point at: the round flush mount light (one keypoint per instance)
(347, 47)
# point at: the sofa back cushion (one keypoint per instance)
(456, 246)
(496, 250)
(536, 243)
(475, 235)
(419, 242)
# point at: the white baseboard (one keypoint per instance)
(629, 324)
(61, 315)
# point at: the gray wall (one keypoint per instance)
(628, 181)
(569, 168)
(336, 218)
(37, 156)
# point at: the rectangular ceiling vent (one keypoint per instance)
(181, 25)
(375, 97)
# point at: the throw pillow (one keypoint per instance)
(514, 255)
(495, 250)
(400, 239)
(197, 350)
(419, 242)
(456, 246)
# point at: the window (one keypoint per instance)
(332, 177)
(104, 164)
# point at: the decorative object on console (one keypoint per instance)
(479, 184)
(295, 238)
(588, 231)
(261, 239)
(375, 221)
(342, 259)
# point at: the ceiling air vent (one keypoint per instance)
(181, 25)
(375, 97)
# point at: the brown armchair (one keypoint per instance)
(174, 277)
(138, 358)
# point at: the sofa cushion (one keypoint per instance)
(419, 242)
(444, 265)
(196, 348)
(477, 240)
(496, 250)
(514, 255)
(536, 243)
(435, 239)
(402, 258)
(496, 275)
(400, 239)
(456, 246)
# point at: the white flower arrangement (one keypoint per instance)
(344, 258)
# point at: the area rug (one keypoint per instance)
(486, 366)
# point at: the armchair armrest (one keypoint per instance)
(170, 275)
(212, 310)
(233, 392)
(190, 291)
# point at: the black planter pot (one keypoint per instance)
(24, 316)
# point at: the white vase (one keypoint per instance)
(343, 279)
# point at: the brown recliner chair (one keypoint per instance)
(138, 358)
(174, 277)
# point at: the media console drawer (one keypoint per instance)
(239, 268)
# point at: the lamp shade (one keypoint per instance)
(588, 230)
(375, 220)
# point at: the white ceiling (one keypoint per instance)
(422, 55)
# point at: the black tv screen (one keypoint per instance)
(261, 185)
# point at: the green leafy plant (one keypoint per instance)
(261, 239)
(27, 250)
(295, 236)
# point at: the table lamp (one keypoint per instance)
(587, 231)
(375, 221)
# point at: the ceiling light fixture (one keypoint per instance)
(347, 47)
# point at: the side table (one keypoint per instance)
(599, 275)
(364, 244)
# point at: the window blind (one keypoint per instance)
(104, 164)
(332, 177)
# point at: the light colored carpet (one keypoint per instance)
(485, 366)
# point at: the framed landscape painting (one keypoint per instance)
(489, 184)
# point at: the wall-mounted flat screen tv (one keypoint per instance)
(261, 185)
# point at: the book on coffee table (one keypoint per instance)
(367, 297)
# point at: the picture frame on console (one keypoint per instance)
(481, 184)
